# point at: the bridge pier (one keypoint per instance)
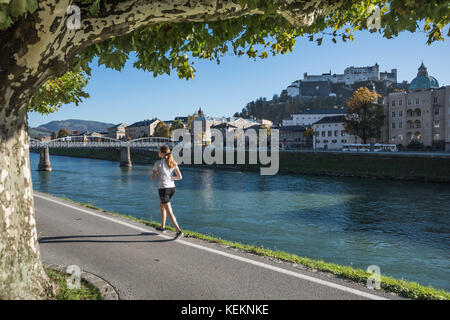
(125, 158)
(44, 160)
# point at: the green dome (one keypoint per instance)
(423, 80)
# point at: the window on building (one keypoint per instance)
(435, 100)
(393, 125)
(409, 101)
(400, 113)
(417, 101)
(436, 111)
(393, 103)
(344, 141)
(393, 114)
(418, 124)
(436, 123)
(400, 125)
(418, 112)
(409, 135)
(342, 133)
(336, 133)
(330, 133)
(400, 102)
(436, 136)
(323, 133)
(334, 141)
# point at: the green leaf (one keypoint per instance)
(32, 5)
(94, 8)
(18, 7)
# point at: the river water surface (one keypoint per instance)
(403, 227)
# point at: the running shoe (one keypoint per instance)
(163, 230)
(179, 235)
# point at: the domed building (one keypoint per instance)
(421, 114)
(423, 80)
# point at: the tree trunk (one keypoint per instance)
(21, 272)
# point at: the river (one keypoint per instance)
(403, 227)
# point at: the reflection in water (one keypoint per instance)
(399, 226)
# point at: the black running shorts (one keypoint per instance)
(165, 194)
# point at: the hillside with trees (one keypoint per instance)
(71, 125)
(282, 106)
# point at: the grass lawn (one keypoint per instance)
(86, 291)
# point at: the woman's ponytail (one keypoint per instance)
(168, 156)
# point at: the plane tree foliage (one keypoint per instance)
(163, 47)
(52, 95)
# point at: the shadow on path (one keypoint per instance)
(86, 238)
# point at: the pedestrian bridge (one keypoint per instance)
(101, 142)
(152, 143)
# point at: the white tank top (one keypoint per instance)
(164, 174)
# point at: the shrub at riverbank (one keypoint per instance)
(364, 165)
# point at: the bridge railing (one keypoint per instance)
(101, 142)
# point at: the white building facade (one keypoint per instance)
(141, 129)
(330, 134)
(310, 116)
(118, 131)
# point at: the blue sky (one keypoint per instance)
(221, 90)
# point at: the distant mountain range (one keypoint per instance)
(71, 125)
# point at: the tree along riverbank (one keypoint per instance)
(364, 165)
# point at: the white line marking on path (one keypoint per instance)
(225, 254)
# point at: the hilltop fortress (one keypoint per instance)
(350, 76)
(354, 74)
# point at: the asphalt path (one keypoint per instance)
(141, 263)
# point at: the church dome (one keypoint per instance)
(423, 80)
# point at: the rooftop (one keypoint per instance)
(423, 80)
(341, 110)
(332, 119)
(291, 128)
(223, 125)
(118, 125)
(143, 123)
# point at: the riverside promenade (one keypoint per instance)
(141, 263)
